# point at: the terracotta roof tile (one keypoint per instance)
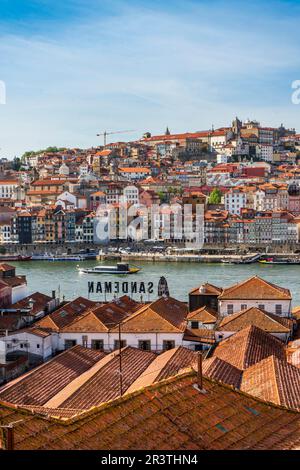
(255, 288)
(203, 315)
(257, 317)
(66, 314)
(39, 385)
(249, 346)
(273, 380)
(207, 289)
(169, 415)
(222, 371)
(104, 385)
(164, 315)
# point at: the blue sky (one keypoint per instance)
(75, 68)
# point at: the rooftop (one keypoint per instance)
(169, 415)
(249, 346)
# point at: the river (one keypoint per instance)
(44, 276)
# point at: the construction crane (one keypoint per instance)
(105, 134)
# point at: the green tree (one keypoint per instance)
(215, 196)
(16, 164)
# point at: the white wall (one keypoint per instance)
(19, 293)
(226, 334)
(37, 345)
(132, 339)
(269, 306)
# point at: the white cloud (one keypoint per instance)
(140, 69)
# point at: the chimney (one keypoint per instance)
(199, 385)
(8, 437)
(53, 295)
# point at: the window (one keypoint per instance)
(85, 341)
(98, 344)
(261, 306)
(38, 346)
(69, 343)
(278, 309)
(229, 309)
(145, 344)
(243, 307)
(194, 325)
(118, 345)
(168, 344)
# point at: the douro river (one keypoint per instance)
(63, 277)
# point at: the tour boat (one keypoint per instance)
(120, 268)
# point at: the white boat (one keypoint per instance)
(120, 268)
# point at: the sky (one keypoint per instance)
(75, 68)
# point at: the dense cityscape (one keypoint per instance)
(149, 233)
(61, 357)
(246, 177)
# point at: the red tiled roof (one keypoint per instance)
(204, 315)
(222, 371)
(163, 315)
(257, 289)
(66, 314)
(207, 289)
(249, 346)
(168, 415)
(40, 301)
(257, 317)
(275, 381)
(104, 385)
(39, 385)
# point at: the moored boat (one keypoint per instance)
(285, 261)
(4, 258)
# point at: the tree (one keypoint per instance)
(16, 164)
(215, 196)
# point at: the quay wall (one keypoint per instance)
(210, 254)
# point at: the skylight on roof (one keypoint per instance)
(219, 426)
(252, 410)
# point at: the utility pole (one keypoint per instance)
(120, 360)
(200, 372)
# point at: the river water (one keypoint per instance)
(45, 276)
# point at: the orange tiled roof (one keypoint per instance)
(39, 385)
(168, 415)
(221, 371)
(66, 314)
(165, 365)
(207, 289)
(204, 315)
(163, 315)
(255, 288)
(254, 316)
(104, 385)
(39, 302)
(275, 381)
(249, 346)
